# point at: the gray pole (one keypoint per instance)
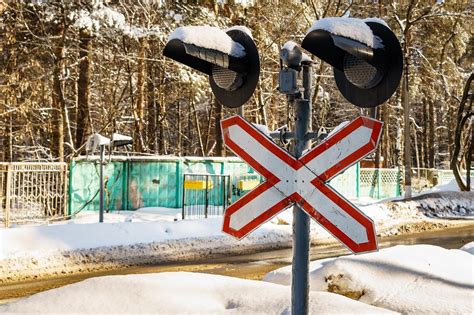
(240, 111)
(101, 175)
(407, 136)
(301, 221)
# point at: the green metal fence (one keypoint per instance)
(136, 182)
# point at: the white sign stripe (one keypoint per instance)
(255, 208)
(259, 153)
(333, 213)
(339, 151)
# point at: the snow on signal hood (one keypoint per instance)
(208, 37)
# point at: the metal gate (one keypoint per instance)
(205, 195)
(32, 192)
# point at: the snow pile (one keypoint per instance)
(208, 37)
(45, 251)
(452, 185)
(352, 28)
(179, 293)
(39, 241)
(442, 204)
(417, 279)
(469, 247)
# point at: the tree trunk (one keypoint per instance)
(83, 88)
(425, 135)
(198, 128)
(57, 136)
(386, 136)
(161, 126)
(220, 151)
(151, 115)
(139, 143)
(461, 120)
(431, 137)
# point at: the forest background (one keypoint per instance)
(69, 69)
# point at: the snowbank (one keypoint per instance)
(208, 37)
(417, 279)
(180, 293)
(46, 251)
(151, 236)
(469, 247)
(452, 185)
(441, 204)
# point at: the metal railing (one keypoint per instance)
(32, 192)
(205, 195)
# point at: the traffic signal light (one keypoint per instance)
(230, 59)
(365, 55)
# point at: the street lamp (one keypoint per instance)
(97, 140)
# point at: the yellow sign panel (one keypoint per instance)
(198, 184)
(247, 184)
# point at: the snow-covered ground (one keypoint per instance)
(416, 279)
(152, 235)
(180, 293)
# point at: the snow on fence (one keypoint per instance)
(32, 192)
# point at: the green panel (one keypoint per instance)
(202, 167)
(84, 185)
(152, 184)
(158, 183)
(239, 170)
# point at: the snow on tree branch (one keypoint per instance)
(103, 17)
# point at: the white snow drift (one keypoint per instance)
(180, 293)
(417, 279)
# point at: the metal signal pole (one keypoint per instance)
(301, 221)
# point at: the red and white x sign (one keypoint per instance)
(302, 181)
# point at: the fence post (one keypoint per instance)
(207, 196)
(399, 179)
(223, 187)
(357, 180)
(8, 195)
(184, 194)
(72, 166)
(65, 192)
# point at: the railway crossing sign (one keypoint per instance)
(302, 181)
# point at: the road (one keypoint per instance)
(253, 266)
